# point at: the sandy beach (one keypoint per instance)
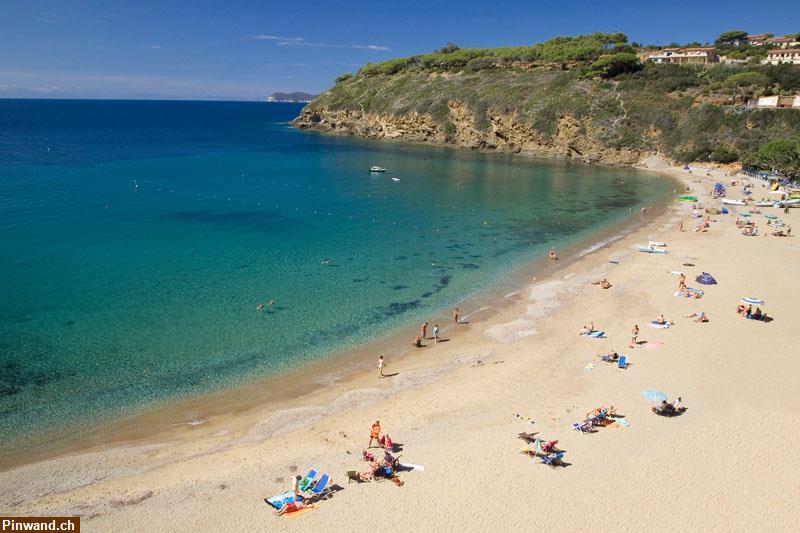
(725, 464)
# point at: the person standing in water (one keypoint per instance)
(436, 333)
(553, 255)
(381, 364)
(424, 331)
(455, 315)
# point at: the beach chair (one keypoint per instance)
(308, 480)
(320, 486)
(623, 362)
(583, 427)
(353, 475)
(553, 459)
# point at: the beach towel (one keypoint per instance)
(622, 422)
(655, 324)
(279, 500)
(409, 466)
(594, 334)
(589, 366)
(298, 512)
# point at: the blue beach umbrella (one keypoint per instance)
(706, 279)
(653, 395)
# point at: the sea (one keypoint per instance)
(139, 238)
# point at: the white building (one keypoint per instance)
(783, 55)
(779, 102)
(684, 55)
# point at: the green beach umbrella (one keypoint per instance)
(771, 217)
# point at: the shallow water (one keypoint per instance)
(138, 238)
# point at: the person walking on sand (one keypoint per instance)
(634, 335)
(374, 433)
(455, 315)
(381, 364)
(424, 334)
(680, 226)
(436, 333)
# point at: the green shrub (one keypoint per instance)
(613, 65)
(722, 154)
(343, 77)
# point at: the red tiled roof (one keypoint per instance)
(759, 37)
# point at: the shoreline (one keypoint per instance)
(455, 411)
(176, 418)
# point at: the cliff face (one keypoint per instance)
(573, 139)
(547, 112)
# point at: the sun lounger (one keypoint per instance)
(553, 459)
(583, 427)
(353, 475)
(623, 362)
(306, 481)
(320, 486)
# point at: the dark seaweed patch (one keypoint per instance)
(469, 266)
(399, 287)
(427, 294)
(400, 258)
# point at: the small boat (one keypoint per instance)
(377, 169)
(733, 202)
(654, 244)
(649, 250)
(395, 179)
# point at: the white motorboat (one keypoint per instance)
(377, 169)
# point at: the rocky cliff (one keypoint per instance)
(576, 138)
(551, 109)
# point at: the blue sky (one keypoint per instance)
(245, 50)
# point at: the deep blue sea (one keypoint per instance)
(139, 237)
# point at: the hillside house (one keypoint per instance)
(783, 55)
(684, 55)
(779, 102)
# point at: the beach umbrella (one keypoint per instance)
(772, 217)
(753, 301)
(706, 279)
(653, 395)
(744, 214)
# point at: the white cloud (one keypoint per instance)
(51, 17)
(332, 45)
(150, 46)
(275, 38)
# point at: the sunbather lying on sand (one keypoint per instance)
(295, 506)
(611, 357)
(702, 317)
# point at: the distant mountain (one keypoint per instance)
(291, 97)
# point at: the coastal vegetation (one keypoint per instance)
(521, 98)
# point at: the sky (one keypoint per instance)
(247, 49)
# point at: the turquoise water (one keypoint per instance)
(138, 238)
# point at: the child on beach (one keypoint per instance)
(436, 333)
(424, 331)
(634, 335)
(455, 315)
(380, 367)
